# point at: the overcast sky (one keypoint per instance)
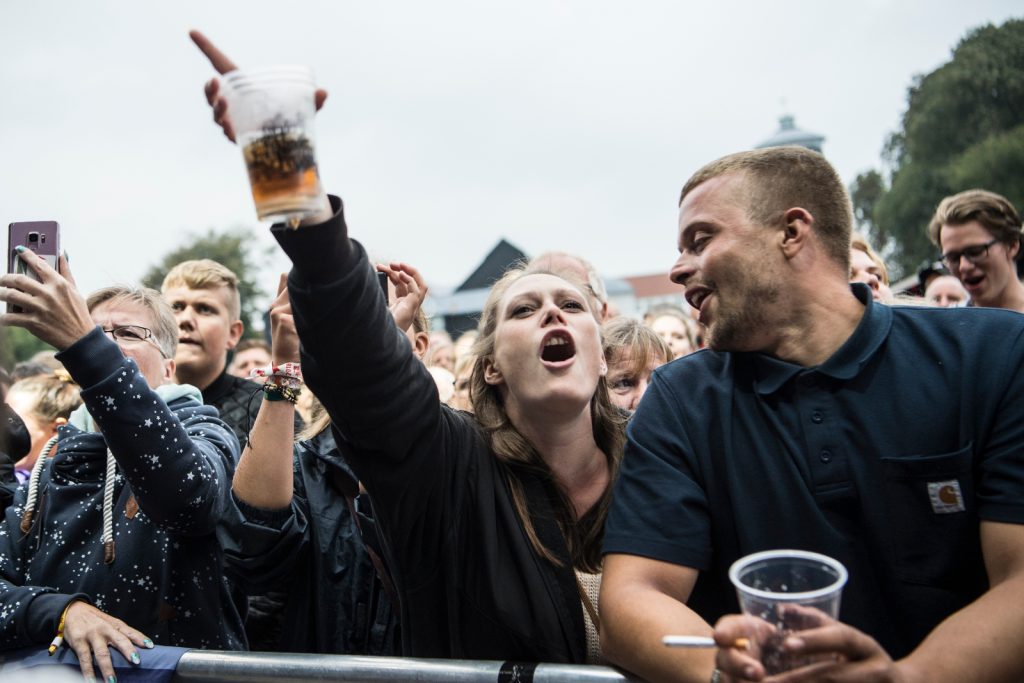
(556, 124)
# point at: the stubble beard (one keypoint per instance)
(738, 326)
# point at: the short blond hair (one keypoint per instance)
(165, 327)
(206, 274)
(860, 243)
(776, 179)
(53, 395)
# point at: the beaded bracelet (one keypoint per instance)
(274, 391)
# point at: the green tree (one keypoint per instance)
(961, 129)
(233, 249)
(19, 345)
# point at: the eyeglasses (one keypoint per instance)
(133, 334)
(975, 253)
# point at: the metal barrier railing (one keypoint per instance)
(199, 666)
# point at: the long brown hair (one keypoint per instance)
(583, 536)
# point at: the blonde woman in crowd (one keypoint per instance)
(43, 402)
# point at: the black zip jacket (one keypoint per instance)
(468, 580)
(312, 551)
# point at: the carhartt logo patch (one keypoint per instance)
(946, 497)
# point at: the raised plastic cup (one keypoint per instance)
(769, 582)
(272, 110)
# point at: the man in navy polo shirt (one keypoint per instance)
(890, 438)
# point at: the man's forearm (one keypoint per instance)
(981, 643)
(633, 621)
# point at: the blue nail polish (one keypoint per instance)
(135, 658)
(111, 678)
(19, 248)
(148, 643)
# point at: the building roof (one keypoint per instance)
(493, 266)
(645, 286)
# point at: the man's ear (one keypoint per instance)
(169, 368)
(420, 344)
(797, 228)
(235, 331)
(492, 375)
(1013, 250)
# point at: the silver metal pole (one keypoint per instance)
(199, 666)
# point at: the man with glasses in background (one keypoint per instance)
(979, 233)
(112, 543)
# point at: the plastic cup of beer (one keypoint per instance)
(272, 110)
(789, 589)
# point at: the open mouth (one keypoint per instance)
(557, 347)
(973, 281)
(696, 296)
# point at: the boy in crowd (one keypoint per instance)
(204, 297)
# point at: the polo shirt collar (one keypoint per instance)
(770, 373)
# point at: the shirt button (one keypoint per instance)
(825, 456)
(817, 418)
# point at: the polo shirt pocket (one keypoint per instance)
(932, 517)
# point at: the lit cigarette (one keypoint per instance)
(701, 641)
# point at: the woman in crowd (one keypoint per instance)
(633, 352)
(44, 402)
(300, 512)
(112, 541)
(675, 327)
(868, 267)
(491, 522)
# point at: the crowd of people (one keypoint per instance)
(562, 484)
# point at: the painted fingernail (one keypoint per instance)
(111, 678)
(135, 658)
(148, 643)
(20, 248)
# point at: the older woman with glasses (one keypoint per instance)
(979, 233)
(112, 543)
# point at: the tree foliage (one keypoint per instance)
(233, 249)
(19, 345)
(962, 129)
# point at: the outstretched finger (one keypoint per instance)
(218, 59)
(125, 638)
(101, 653)
(84, 654)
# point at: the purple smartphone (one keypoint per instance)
(42, 237)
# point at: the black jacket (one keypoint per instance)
(313, 551)
(237, 400)
(469, 582)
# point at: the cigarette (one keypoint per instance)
(701, 641)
